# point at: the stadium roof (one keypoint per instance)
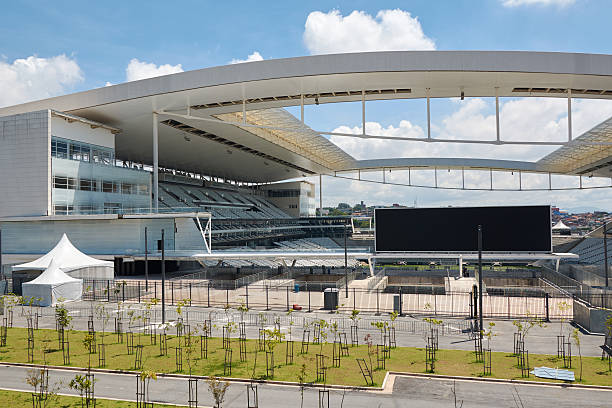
(194, 107)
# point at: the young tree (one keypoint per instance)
(217, 388)
(563, 308)
(44, 393)
(489, 334)
(301, 377)
(576, 338)
(146, 376)
(83, 385)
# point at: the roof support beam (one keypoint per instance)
(427, 91)
(155, 163)
(363, 116)
(569, 115)
(497, 113)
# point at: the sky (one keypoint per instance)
(68, 46)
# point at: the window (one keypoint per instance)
(79, 152)
(112, 208)
(127, 188)
(87, 209)
(102, 156)
(59, 149)
(63, 209)
(283, 193)
(87, 185)
(110, 187)
(65, 183)
(142, 189)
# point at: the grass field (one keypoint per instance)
(405, 359)
(24, 399)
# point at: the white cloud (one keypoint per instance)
(255, 56)
(516, 3)
(34, 78)
(521, 119)
(141, 70)
(390, 30)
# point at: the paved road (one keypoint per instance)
(405, 392)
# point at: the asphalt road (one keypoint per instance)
(405, 392)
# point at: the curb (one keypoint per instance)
(201, 377)
(388, 379)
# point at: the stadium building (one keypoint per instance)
(212, 158)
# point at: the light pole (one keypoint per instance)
(163, 274)
(480, 280)
(345, 263)
(146, 261)
(605, 235)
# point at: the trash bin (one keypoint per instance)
(330, 299)
(296, 287)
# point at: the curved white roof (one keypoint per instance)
(53, 275)
(65, 256)
(238, 153)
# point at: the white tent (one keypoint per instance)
(560, 226)
(71, 261)
(52, 286)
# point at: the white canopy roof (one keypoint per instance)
(66, 256)
(560, 226)
(53, 275)
(53, 286)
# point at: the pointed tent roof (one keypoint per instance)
(67, 258)
(560, 226)
(53, 275)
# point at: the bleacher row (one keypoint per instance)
(222, 204)
(591, 251)
(305, 244)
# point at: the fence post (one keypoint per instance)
(138, 291)
(123, 291)
(508, 307)
(354, 300)
(226, 296)
(546, 305)
(155, 289)
(287, 298)
(267, 304)
(108, 291)
(172, 290)
(190, 298)
(246, 288)
(208, 294)
(309, 309)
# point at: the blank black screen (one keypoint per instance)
(504, 229)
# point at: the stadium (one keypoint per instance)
(203, 175)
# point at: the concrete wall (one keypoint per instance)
(81, 132)
(592, 319)
(95, 236)
(25, 163)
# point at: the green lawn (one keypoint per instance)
(24, 399)
(406, 359)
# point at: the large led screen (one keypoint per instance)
(504, 229)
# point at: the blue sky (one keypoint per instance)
(82, 45)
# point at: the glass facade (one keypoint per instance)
(79, 151)
(86, 181)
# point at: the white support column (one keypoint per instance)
(580, 182)
(363, 117)
(427, 90)
(497, 113)
(462, 178)
(520, 181)
(320, 195)
(549, 181)
(491, 175)
(569, 114)
(383, 174)
(409, 180)
(155, 163)
(436, 177)
(461, 266)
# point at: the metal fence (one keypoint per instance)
(270, 297)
